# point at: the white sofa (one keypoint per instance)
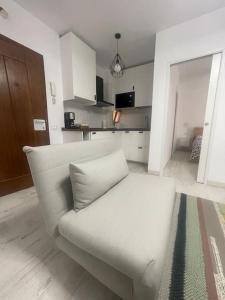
(121, 238)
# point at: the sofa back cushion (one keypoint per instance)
(92, 179)
(50, 171)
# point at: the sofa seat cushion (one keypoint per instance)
(127, 227)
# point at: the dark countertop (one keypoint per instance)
(106, 129)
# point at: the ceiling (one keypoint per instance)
(96, 21)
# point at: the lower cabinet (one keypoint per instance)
(99, 135)
(72, 136)
(135, 144)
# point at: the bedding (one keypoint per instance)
(196, 148)
(195, 265)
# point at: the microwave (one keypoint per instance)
(125, 100)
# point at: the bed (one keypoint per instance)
(196, 144)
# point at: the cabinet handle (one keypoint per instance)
(93, 133)
(113, 131)
(140, 131)
(127, 131)
(140, 147)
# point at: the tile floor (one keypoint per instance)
(31, 268)
(185, 173)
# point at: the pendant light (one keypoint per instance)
(117, 66)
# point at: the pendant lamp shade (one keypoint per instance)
(117, 67)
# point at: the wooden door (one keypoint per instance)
(22, 99)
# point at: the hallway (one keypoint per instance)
(181, 168)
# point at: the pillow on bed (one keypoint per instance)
(91, 179)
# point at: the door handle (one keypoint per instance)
(206, 124)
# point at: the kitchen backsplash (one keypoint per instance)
(138, 117)
(94, 116)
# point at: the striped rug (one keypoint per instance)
(195, 265)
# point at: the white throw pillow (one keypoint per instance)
(91, 179)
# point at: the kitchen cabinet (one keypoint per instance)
(135, 144)
(99, 135)
(143, 85)
(139, 79)
(117, 136)
(78, 70)
(72, 136)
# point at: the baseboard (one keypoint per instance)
(156, 173)
(216, 183)
(15, 184)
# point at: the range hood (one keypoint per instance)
(100, 102)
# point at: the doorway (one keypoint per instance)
(22, 101)
(193, 86)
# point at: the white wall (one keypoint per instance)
(198, 37)
(174, 82)
(191, 105)
(24, 28)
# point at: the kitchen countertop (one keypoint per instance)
(105, 129)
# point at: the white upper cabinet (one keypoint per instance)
(140, 80)
(78, 70)
(143, 85)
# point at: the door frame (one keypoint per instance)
(174, 123)
(201, 177)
